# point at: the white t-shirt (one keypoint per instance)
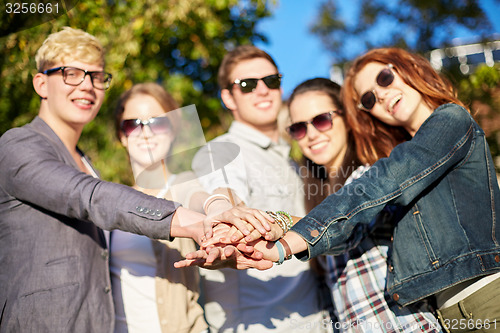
(133, 271)
(133, 268)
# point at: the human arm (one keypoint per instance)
(275, 231)
(441, 144)
(222, 205)
(260, 254)
(187, 224)
(45, 177)
(227, 256)
(237, 256)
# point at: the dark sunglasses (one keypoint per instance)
(384, 79)
(157, 125)
(249, 85)
(322, 122)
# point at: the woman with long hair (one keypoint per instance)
(356, 278)
(149, 294)
(441, 185)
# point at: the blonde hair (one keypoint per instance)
(69, 45)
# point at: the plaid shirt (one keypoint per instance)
(357, 282)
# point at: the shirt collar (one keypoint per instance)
(252, 135)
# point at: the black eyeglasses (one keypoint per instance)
(384, 79)
(158, 125)
(249, 85)
(75, 76)
(322, 122)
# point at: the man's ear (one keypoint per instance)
(40, 84)
(228, 99)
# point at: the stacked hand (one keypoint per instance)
(239, 238)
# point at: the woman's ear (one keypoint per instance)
(123, 140)
(228, 99)
(40, 84)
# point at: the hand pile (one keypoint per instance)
(238, 238)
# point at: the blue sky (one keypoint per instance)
(300, 55)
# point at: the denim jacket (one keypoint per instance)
(444, 181)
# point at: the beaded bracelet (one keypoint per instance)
(290, 220)
(280, 220)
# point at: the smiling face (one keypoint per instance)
(145, 148)
(64, 105)
(258, 109)
(326, 148)
(397, 104)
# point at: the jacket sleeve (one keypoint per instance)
(443, 141)
(34, 173)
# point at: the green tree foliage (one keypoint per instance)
(176, 43)
(417, 25)
(481, 90)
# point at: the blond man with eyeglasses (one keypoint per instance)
(54, 274)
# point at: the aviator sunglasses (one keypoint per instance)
(248, 85)
(322, 122)
(384, 79)
(157, 125)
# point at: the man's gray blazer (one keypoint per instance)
(54, 274)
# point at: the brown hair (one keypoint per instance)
(154, 90)
(316, 177)
(375, 139)
(234, 57)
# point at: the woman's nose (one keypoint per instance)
(146, 131)
(312, 132)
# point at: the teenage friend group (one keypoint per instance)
(387, 224)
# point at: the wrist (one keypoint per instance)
(288, 250)
(217, 201)
(281, 252)
(284, 251)
(218, 207)
(187, 224)
(282, 219)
